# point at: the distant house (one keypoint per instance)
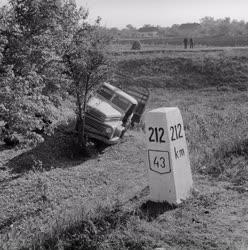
(188, 28)
(148, 32)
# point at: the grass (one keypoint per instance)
(222, 41)
(224, 69)
(63, 202)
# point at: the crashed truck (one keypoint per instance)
(111, 111)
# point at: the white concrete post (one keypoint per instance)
(170, 175)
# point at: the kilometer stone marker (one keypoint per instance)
(168, 160)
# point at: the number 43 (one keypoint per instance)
(159, 162)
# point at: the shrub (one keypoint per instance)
(136, 45)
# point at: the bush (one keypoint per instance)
(136, 45)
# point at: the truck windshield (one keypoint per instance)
(121, 102)
(105, 92)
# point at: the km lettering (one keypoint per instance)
(179, 153)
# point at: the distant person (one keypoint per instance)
(191, 43)
(185, 41)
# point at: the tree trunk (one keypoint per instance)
(84, 105)
(81, 104)
(80, 124)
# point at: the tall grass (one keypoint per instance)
(216, 125)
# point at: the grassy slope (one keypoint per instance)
(186, 70)
(103, 203)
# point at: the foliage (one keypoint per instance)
(22, 101)
(86, 66)
(34, 36)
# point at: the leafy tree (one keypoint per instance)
(222, 27)
(130, 27)
(21, 104)
(33, 37)
(87, 66)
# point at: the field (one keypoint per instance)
(53, 198)
(215, 41)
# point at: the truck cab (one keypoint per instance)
(109, 113)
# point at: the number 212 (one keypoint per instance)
(156, 135)
(176, 132)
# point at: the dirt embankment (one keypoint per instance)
(194, 70)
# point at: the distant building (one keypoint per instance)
(188, 28)
(146, 34)
(148, 31)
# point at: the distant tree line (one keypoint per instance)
(208, 26)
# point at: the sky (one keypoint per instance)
(119, 13)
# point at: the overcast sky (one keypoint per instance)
(119, 13)
(163, 12)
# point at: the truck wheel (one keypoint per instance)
(98, 143)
